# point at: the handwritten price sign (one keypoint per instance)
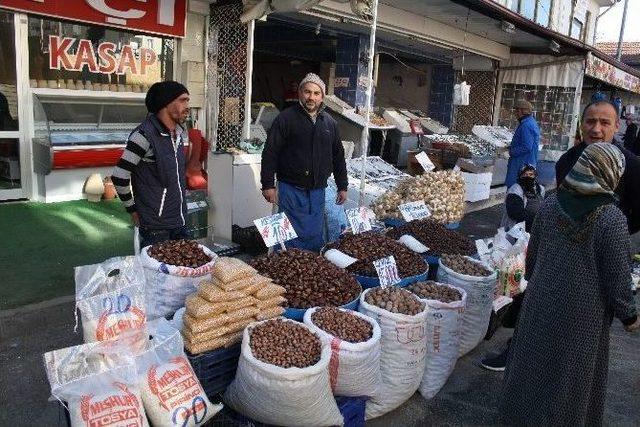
(414, 210)
(425, 161)
(387, 271)
(360, 219)
(275, 229)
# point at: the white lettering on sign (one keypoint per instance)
(360, 219)
(414, 210)
(387, 271)
(275, 229)
(107, 62)
(425, 161)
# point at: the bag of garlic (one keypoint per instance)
(171, 392)
(169, 285)
(354, 368)
(443, 322)
(110, 297)
(98, 383)
(480, 292)
(402, 356)
(276, 395)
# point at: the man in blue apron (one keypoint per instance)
(303, 149)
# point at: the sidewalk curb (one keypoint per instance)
(25, 309)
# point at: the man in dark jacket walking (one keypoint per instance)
(630, 133)
(599, 124)
(303, 149)
(153, 165)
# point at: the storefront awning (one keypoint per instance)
(602, 70)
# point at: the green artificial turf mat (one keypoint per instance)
(42, 242)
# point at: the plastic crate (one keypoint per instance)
(216, 369)
(249, 239)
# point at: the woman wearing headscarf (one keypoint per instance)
(578, 267)
(523, 199)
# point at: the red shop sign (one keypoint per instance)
(165, 17)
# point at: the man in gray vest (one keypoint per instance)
(153, 166)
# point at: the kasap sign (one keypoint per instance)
(164, 17)
(102, 59)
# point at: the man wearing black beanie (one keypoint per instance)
(153, 166)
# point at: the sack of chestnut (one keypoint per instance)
(173, 270)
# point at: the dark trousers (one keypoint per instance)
(151, 237)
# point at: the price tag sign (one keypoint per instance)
(387, 271)
(275, 229)
(360, 219)
(425, 161)
(414, 210)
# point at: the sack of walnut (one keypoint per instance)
(290, 396)
(443, 322)
(169, 285)
(402, 356)
(354, 369)
(480, 291)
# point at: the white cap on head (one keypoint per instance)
(315, 79)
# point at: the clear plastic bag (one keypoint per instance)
(229, 269)
(212, 293)
(111, 298)
(200, 308)
(171, 392)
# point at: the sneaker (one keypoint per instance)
(496, 363)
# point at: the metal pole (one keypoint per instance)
(624, 21)
(364, 139)
(246, 125)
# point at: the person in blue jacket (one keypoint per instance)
(524, 146)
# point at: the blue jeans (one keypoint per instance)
(151, 236)
(305, 210)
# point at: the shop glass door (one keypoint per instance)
(10, 165)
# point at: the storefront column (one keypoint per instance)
(441, 98)
(351, 69)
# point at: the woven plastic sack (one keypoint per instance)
(287, 397)
(171, 392)
(231, 269)
(110, 297)
(443, 322)
(168, 285)
(476, 316)
(98, 383)
(354, 368)
(403, 346)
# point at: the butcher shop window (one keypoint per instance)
(67, 55)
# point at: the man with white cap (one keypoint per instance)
(303, 149)
(524, 146)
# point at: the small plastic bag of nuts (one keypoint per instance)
(200, 308)
(276, 395)
(357, 349)
(403, 349)
(209, 291)
(230, 269)
(480, 291)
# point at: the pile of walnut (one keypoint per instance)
(342, 324)
(442, 192)
(395, 300)
(285, 343)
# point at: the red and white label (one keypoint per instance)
(164, 17)
(122, 408)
